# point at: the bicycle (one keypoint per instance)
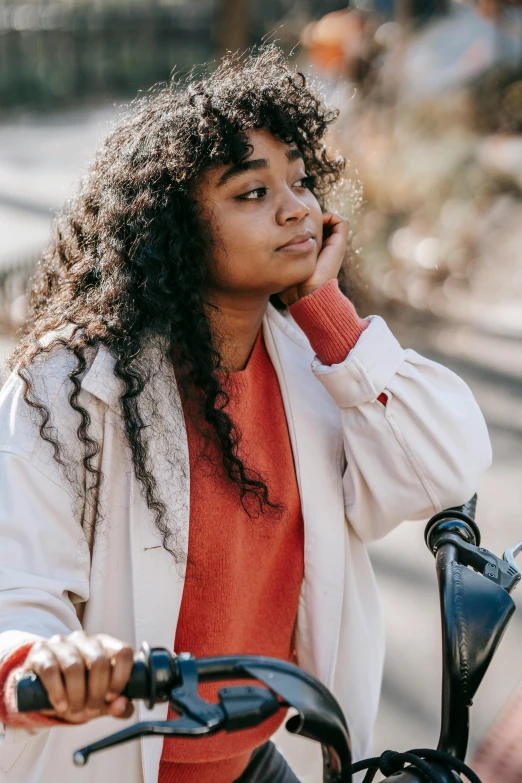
(476, 607)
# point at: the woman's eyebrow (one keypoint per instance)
(254, 165)
(240, 168)
(294, 154)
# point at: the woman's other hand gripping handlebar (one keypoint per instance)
(83, 675)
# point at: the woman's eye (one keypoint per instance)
(258, 193)
(305, 182)
(253, 195)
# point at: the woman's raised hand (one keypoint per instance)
(83, 675)
(329, 260)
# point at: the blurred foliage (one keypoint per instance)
(436, 172)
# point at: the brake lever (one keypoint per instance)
(239, 707)
(502, 571)
(509, 557)
(183, 727)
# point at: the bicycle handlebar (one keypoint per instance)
(158, 676)
(156, 673)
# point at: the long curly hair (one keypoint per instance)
(130, 252)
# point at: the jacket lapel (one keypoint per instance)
(316, 438)
(157, 580)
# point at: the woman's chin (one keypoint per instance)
(300, 271)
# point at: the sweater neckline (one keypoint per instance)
(254, 360)
(257, 359)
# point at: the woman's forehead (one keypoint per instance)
(261, 139)
(265, 150)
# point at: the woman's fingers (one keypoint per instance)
(44, 663)
(120, 708)
(98, 666)
(335, 240)
(72, 668)
(121, 656)
(336, 228)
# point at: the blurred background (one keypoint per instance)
(430, 98)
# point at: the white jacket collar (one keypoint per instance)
(101, 381)
(284, 320)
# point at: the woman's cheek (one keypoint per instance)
(319, 242)
(250, 247)
(318, 220)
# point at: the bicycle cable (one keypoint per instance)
(390, 762)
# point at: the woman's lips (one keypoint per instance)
(304, 246)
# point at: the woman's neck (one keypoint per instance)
(235, 322)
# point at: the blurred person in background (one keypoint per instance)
(190, 357)
(335, 44)
(341, 46)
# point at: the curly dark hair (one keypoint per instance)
(130, 252)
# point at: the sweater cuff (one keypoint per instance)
(330, 322)
(10, 667)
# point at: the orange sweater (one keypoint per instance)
(244, 575)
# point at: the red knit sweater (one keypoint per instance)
(244, 575)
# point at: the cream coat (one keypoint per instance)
(361, 468)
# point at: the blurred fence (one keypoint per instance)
(53, 55)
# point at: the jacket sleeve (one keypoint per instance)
(43, 565)
(423, 451)
(44, 556)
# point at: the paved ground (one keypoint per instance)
(41, 159)
(39, 163)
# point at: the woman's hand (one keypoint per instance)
(335, 240)
(83, 675)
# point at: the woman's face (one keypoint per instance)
(266, 223)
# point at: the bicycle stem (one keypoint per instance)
(476, 607)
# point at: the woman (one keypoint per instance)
(190, 357)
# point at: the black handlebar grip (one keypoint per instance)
(138, 686)
(31, 695)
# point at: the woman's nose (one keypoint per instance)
(291, 208)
